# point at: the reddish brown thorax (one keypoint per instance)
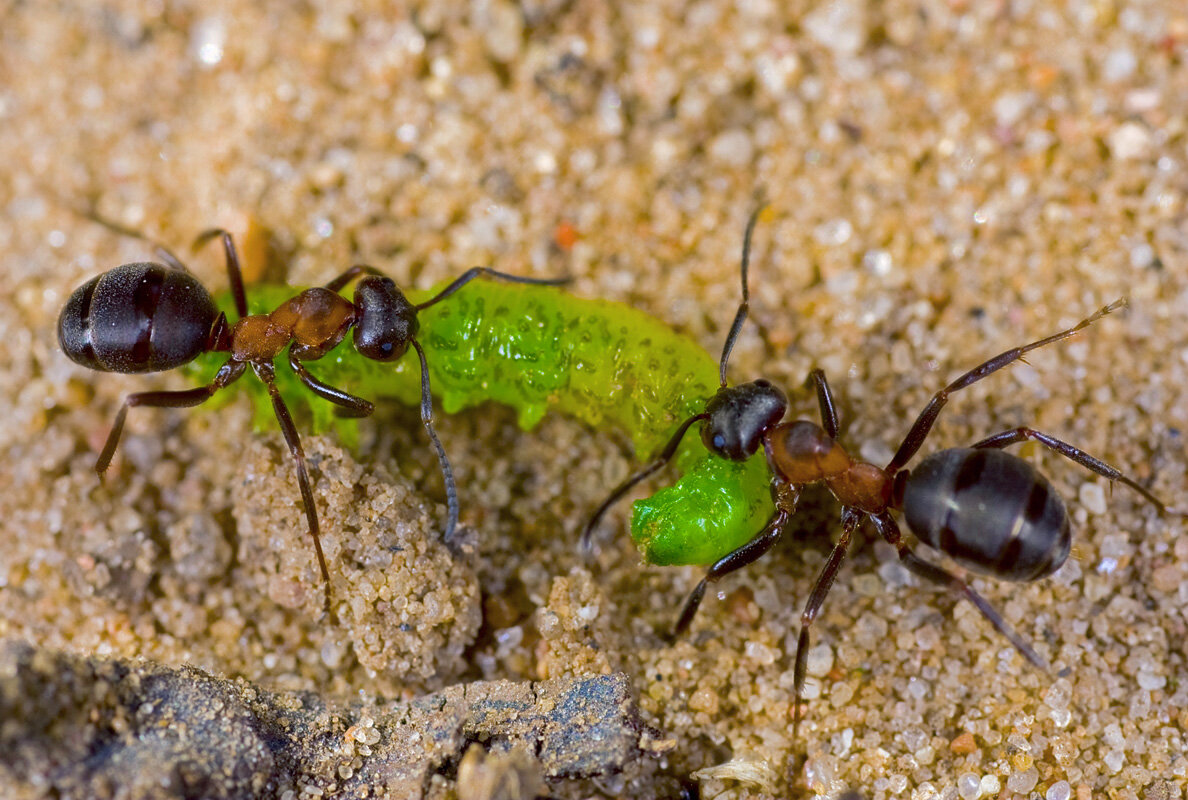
(315, 321)
(801, 452)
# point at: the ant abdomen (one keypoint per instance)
(989, 511)
(141, 317)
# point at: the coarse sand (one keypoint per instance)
(946, 178)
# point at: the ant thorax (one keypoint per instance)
(315, 321)
(802, 452)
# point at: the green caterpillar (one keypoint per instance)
(537, 350)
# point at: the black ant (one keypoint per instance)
(988, 510)
(151, 317)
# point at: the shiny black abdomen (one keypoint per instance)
(989, 511)
(140, 317)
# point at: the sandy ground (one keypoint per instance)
(947, 179)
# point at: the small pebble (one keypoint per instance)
(969, 786)
(760, 653)
(877, 262)
(840, 25)
(1118, 65)
(834, 232)
(1130, 141)
(964, 744)
(925, 791)
(1060, 790)
(819, 660)
(1093, 498)
(914, 739)
(1022, 782)
(733, 148)
(1142, 255)
(1058, 694)
(1166, 578)
(1150, 681)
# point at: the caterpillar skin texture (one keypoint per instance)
(538, 349)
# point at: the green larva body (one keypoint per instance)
(539, 349)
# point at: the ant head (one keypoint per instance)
(739, 416)
(387, 322)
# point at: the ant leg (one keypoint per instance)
(474, 272)
(166, 255)
(352, 406)
(890, 531)
(923, 424)
(352, 273)
(265, 372)
(234, 275)
(734, 560)
(447, 472)
(824, 401)
(1007, 438)
(659, 461)
(744, 307)
(786, 497)
(821, 587)
(186, 398)
(163, 252)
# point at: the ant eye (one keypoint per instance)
(719, 441)
(763, 383)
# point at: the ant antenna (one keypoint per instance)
(659, 461)
(447, 472)
(670, 449)
(89, 212)
(741, 315)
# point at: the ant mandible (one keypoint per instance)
(988, 510)
(151, 317)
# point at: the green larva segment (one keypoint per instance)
(718, 506)
(538, 349)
